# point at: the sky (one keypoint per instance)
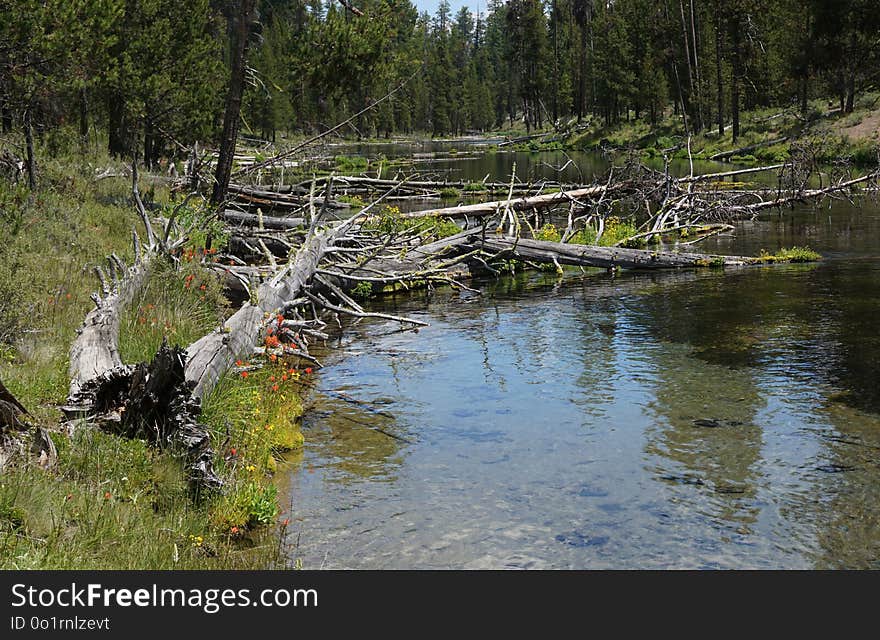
(431, 5)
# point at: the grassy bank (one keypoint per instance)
(112, 502)
(834, 136)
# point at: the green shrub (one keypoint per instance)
(262, 503)
(587, 235)
(362, 290)
(549, 233)
(391, 221)
(794, 254)
(351, 163)
(865, 153)
(355, 201)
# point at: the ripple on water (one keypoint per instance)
(702, 420)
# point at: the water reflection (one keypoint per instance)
(714, 419)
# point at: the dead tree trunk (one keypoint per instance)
(95, 349)
(232, 116)
(212, 355)
(519, 204)
(148, 400)
(29, 144)
(10, 409)
(604, 257)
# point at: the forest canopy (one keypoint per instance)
(151, 75)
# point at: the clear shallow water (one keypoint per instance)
(667, 420)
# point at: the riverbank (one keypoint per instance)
(766, 135)
(111, 502)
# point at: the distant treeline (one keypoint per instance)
(151, 75)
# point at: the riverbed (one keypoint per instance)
(711, 419)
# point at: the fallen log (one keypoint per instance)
(95, 349)
(210, 357)
(430, 185)
(593, 256)
(10, 410)
(727, 174)
(113, 395)
(798, 196)
(520, 139)
(152, 401)
(269, 222)
(517, 204)
(249, 247)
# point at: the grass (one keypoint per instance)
(354, 201)
(254, 418)
(389, 220)
(794, 254)
(52, 239)
(831, 133)
(351, 163)
(116, 504)
(112, 502)
(362, 290)
(615, 231)
(178, 304)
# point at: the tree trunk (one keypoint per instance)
(83, 118)
(149, 145)
(544, 201)
(555, 97)
(687, 54)
(5, 115)
(29, 143)
(850, 91)
(696, 49)
(582, 76)
(116, 144)
(232, 115)
(737, 74)
(718, 81)
(603, 257)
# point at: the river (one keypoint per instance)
(713, 419)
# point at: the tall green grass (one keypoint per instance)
(112, 502)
